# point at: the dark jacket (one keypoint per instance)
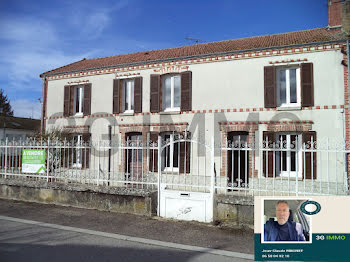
(295, 231)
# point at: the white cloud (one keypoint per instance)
(26, 108)
(31, 31)
(95, 24)
(30, 47)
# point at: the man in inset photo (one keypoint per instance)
(283, 229)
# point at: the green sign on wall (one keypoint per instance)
(33, 161)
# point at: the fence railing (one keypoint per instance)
(284, 167)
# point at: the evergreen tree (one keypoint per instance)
(5, 107)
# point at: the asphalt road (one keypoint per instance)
(180, 232)
(22, 241)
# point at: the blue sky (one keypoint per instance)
(37, 36)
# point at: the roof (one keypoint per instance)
(19, 123)
(317, 35)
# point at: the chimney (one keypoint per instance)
(346, 16)
(334, 13)
(339, 15)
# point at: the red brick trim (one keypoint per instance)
(77, 129)
(243, 55)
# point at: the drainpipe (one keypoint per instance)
(346, 158)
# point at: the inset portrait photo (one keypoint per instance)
(284, 222)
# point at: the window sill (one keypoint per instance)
(289, 108)
(78, 115)
(169, 171)
(177, 112)
(127, 114)
(292, 177)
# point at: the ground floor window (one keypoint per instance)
(289, 158)
(170, 154)
(238, 159)
(133, 154)
(77, 151)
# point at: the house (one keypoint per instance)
(290, 87)
(17, 128)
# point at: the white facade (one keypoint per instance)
(227, 96)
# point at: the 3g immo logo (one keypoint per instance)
(310, 205)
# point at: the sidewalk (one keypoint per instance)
(186, 233)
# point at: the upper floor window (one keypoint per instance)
(288, 86)
(291, 86)
(171, 92)
(78, 100)
(128, 96)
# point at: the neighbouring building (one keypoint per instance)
(18, 128)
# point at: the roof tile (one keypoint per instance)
(258, 42)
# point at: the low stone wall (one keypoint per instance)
(234, 211)
(124, 200)
(229, 210)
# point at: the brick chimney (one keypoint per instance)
(334, 13)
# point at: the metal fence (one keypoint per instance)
(283, 167)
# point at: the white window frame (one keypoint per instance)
(170, 147)
(79, 89)
(298, 87)
(78, 158)
(172, 92)
(127, 87)
(299, 157)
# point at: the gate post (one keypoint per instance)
(48, 159)
(6, 145)
(159, 171)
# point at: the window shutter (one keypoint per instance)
(185, 156)
(87, 100)
(270, 136)
(116, 96)
(71, 101)
(307, 84)
(155, 93)
(85, 160)
(153, 154)
(270, 94)
(310, 158)
(66, 103)
(186, 91)
(138, 95)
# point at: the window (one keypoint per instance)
(170, 154)
(128, 96)
(171, 92)
(289, 159)
(77, 151)
(291, 86)
(288, 86)
(78, 100)
(133, 155)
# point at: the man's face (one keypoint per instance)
(282, 213)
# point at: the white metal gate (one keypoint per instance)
(185, 178)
